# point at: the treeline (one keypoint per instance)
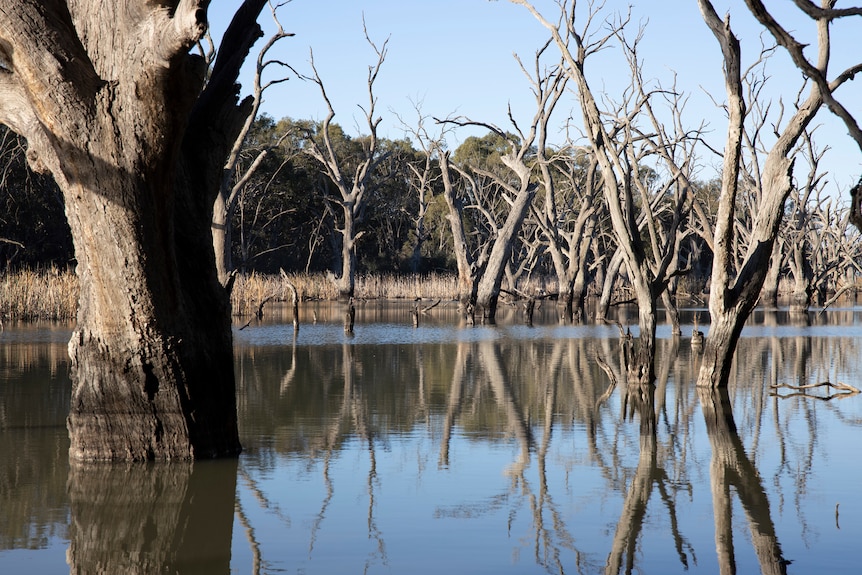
(287, 215)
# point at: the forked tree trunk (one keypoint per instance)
(732, 298)
(488, 291)
(110, 100)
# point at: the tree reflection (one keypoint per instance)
(644, 402)
(453, 408)
(151, 518)
(731, 467)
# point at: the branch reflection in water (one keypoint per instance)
(485, 449)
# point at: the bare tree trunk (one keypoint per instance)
(467, 277)
(346, 282)
(225, 204)
(352, 188)
(488, 290)
(120, 126)
(733, 298)
(611, 274)
(800, 299)
(618, 148)
(769, 293)
(222, 238)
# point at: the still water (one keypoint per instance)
(452, 449)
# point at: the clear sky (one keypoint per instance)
(455, 57)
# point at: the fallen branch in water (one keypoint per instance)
(844, 390)
(835, 298)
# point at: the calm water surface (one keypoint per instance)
(455, 449)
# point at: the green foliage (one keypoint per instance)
(485, 152)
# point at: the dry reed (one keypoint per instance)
(44, 293)
(250, 291)
(52, 293)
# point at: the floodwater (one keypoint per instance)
(457, 449)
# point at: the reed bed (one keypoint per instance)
(252, 291)
(52, 293)
(44, 293)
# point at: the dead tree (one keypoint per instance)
(735, 288)
(620, 148)
(482, 262)
(425, 175)
(481, 271)
(352, 183)
(234, 178)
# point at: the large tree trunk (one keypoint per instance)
(152, 366)
(488, 290)
(732, 298)
(110, 100)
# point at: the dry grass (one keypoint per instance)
(48, 293)
(252, 290)
(52, 293)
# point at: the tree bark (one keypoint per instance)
(222, 238)
(488, 290)
(733, 298)
(112, 103)
(466, 267)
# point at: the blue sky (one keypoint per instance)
(455, 57)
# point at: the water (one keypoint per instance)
(447, 448)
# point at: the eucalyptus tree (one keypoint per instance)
(352, 182)
(622, 149)
(390, 218)
(114, 103)
(502, 197)
(736, 285)
(234, 179)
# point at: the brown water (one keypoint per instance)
(447, 448)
